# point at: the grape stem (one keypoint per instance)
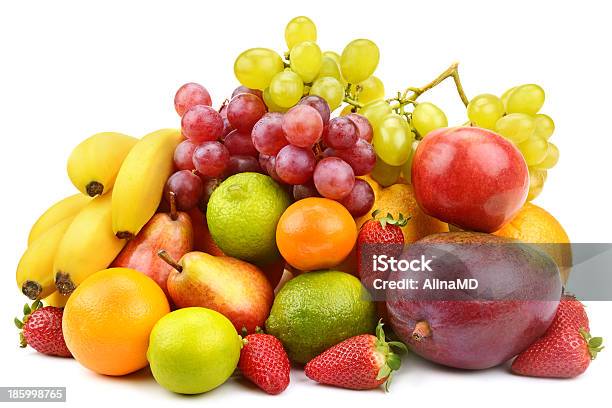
(452, 71)
(410, 94)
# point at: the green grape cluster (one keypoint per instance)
(306, 70)
(515, 116)
(399, 123)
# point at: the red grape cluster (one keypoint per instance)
(302, 148)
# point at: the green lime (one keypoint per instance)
(242, 214)
(317, 310)
(193, 350)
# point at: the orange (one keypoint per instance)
(399, 198)
(108, 319)
(535, 225)
(315, 233)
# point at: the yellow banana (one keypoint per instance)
(35, 270)
(93, 165)
(55, 299)
(88, 246)
(68, 207)
(141, 179)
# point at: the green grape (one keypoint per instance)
(255, 67)
(551, 159)
(407, 167)
(333, 55)
(375, 111)
(544, 126)
(516, 127)
(534, 150)
(359, 60)
(298, 30)
(525, 99)
(537, 178)
(286, 89)
(305, 60)
(330, 68)
(272, 107)
(372, 89)
(505, 96)
(384, 174)
(427, 117)
(484, 110)
(393, 139)
(330, 89)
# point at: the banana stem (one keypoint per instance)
(168, 259)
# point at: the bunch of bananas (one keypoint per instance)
(121, 180)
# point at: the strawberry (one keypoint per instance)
(360, 363)
(378, 236)
(565, 350)
(41, 328)
(264, 362)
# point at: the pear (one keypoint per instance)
(172, 231)
(238, 290)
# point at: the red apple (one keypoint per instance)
(470, 177)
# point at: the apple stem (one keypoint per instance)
(421, 331)
(168, 259)
(173, 212)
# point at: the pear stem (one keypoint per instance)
(168, 259)
(173, 212)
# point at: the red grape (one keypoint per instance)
(239, 143)
(244, 110)
(267, 134)
(187, 188)
(244, 89)
(341, 133)
(360, 200)
(189, 95)
(211, 159)
(302, 125)
(334, 178)
(208, 187)
(227, 126)
(271, 168)
(319, 104)
(329, 152)
(364, 128)
(202, 124)
(264, 160)
(242, 164)
(361, 157)
(301, 191)
(183, 155)
(294, 165)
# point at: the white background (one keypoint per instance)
(71, 69)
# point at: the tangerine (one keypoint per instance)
(315, 233)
